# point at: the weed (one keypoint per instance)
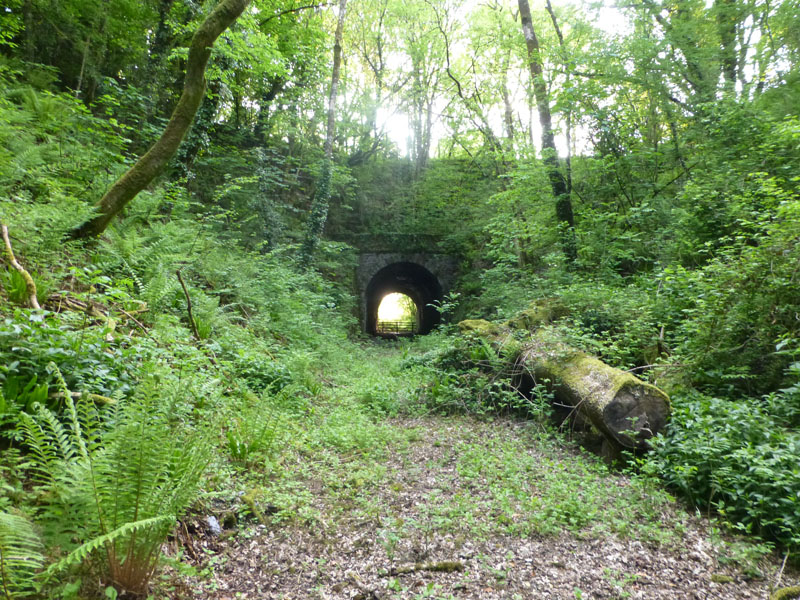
(619, 581)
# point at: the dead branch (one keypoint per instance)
(95, 397)
(91, 308)
(192, 322)
(142, 327)
(447, 566)
(30, 285)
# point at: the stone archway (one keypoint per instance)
(411, 279)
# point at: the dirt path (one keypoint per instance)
(501, 509)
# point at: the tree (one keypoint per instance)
(86, 41)
(475, 103)
(319, 206)
(423, 46)
(153, 162)
(549, 154)
(370, 83)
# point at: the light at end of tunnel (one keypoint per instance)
(396, 307)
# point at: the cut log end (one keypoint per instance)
(635, 414)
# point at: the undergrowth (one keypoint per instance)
(120, 413)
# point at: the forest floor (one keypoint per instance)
(461, 507)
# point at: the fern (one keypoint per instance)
(126, 492)
(82, 552)
(134, 276)
(47, 440)
(20, 556)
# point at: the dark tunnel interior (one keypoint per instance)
(410, 279)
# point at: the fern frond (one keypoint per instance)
(83, 551)
(20, 555)
(47, 440)
(134, 276)
(77, 432)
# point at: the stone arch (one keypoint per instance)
(408, 278)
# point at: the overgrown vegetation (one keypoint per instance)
(122, 411)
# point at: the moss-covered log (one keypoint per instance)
(625, 409)
(786, 593)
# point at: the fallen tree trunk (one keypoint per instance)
(625, 409)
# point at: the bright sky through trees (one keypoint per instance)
(396, 121)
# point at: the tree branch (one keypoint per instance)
(192, 322)
(280, 14)
(30, 285)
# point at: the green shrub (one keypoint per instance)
(467, 375)
(16, 289)
(739, 458)
(256, 430)
(88, 356)
(260, 373)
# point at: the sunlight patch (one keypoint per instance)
(397, 313)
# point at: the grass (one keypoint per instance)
(467, 477)
(364, 459)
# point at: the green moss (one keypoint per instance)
(479, 326)
(249, 498)
(447, 566)
(788, 593)
(719, 578)
(538, 314)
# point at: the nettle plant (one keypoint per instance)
(738, 458)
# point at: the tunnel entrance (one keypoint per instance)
(411, 280)
(398, 315)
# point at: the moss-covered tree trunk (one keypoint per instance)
(626, 410)
(153, 162)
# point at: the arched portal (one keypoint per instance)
(411, 279)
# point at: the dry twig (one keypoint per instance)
(446, 566)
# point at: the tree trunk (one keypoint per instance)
(549, 155)
(568, 67)
(319, 205)
(29, 42)
(726, 27)
(508, 113)
(153, 162)
(626, 410)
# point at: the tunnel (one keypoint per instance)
(411, 279)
